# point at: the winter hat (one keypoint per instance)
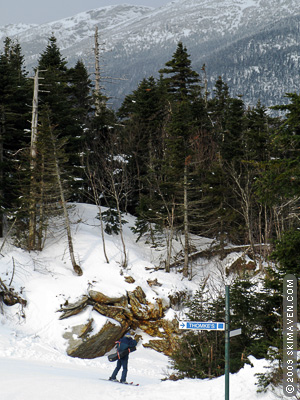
(127, 334)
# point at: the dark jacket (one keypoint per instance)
(125, 343)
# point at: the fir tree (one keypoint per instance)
(288, 135)
(15, 90)
(286, 257)
(184, 89)
(81, 102)
(183, 82)
(252, 308)
(68, 105)
(143, 114)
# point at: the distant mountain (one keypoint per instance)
(252, 44)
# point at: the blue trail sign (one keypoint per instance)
(202, 326)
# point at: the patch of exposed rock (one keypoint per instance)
(132, 311)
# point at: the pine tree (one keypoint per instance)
(143, 114)
(14, 116)
(277, 182)
(81, 102)
(79, 90)
(226, 115)
(252, 308)
(257, 138)
(184, 90)
(183, 82)
(286, 257)
(62, 99)
(288, 135)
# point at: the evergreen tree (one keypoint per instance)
(39, 191)
(184, 90)
(277, 182)
(287, 254)
(183, 82)
(15, 91)
(81, 102)
(219, 203)
(143, 114)
(288, 135)
(286, 257)
(63, 100)
(80, 87)
(257, 138)
(252, 308)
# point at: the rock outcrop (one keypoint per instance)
(132, 311)
(84, 343)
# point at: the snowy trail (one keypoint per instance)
(33, 380)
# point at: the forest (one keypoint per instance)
(180, 159)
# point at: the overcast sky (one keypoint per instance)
(40, 11)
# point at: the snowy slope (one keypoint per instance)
(33, 360)
(73, 29)
(32, 380)
(15, 30)
(137, 41)
(70, 31)
(137, 27)
(208, 19)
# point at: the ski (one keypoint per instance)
(128, 383)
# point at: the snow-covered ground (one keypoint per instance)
(33, 360)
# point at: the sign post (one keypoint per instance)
(217, 326)
(227, 341)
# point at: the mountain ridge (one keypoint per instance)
(139, 40)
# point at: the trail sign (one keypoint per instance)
(202, 326)
(235, 332)
(217, 326)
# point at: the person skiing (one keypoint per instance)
(126, 342)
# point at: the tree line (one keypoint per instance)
(175, 156)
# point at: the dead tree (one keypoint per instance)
(99, 103)
(76, 267)
(33, 153)
(93, 181)
(117, 188)
(33, 196)
(113, 181)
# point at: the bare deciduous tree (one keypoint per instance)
(112, 179)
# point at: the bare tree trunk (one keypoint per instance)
(7, 235)
(125, 260)
(205, 86)
(185, 223)
(169, 228)
(170, 238)
(2, 127)
(33, 153)
(245, 194)
(97, 75)
(41, 206)
(76, 267)
(92, 181)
